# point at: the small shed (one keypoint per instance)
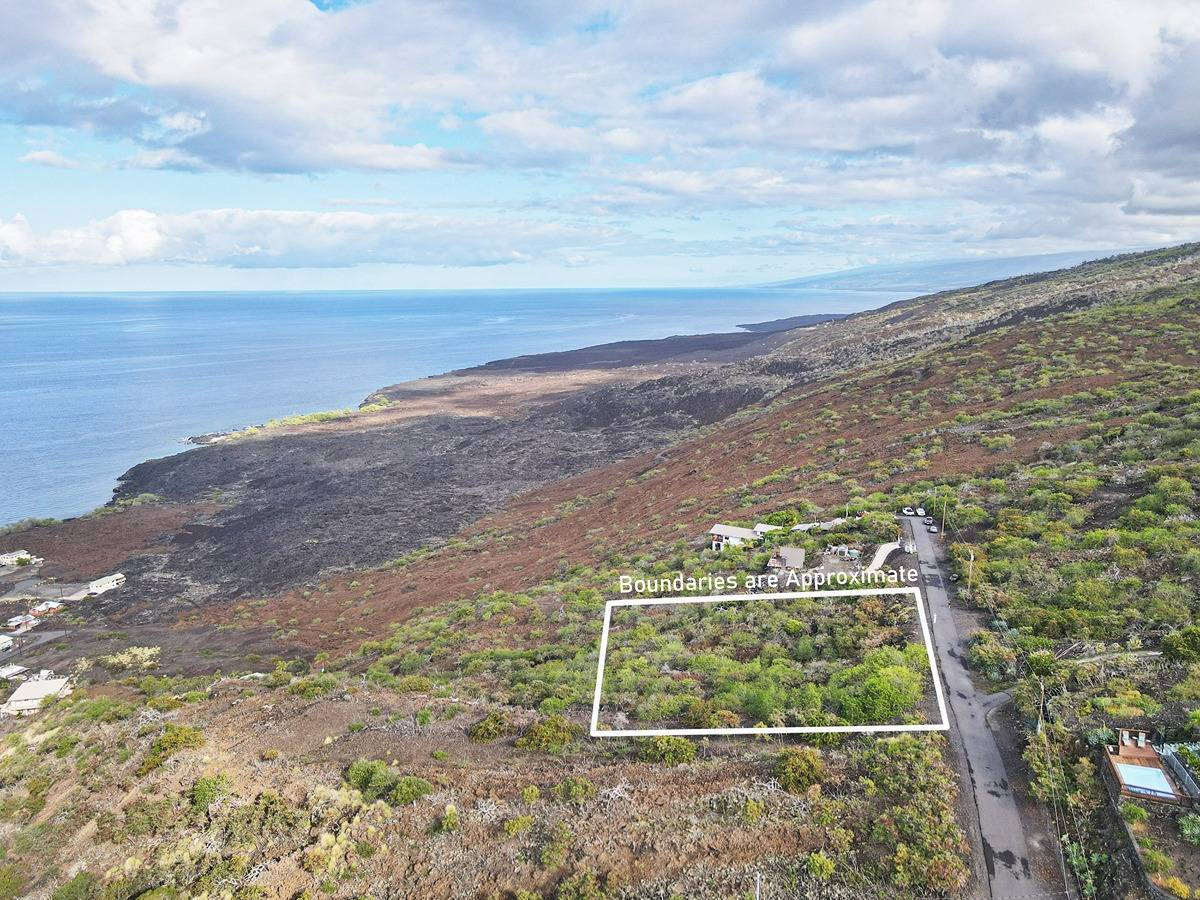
(9, 672)
(1139, 770)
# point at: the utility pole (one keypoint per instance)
(942, 533)
(970, 571)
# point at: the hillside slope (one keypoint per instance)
(1055, 418)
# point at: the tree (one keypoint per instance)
(1183, 645)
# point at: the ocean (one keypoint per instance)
(92, 384)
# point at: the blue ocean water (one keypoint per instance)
(93, 384)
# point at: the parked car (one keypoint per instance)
(954, 576)
(909, 511)
(933, 529)
(929, 520)
(920, 510)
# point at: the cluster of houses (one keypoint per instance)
(19, 559)
(785, 559)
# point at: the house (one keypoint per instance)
(762, 528)
(20, 624)
(6, 643)
(723, 536)
(9, 672)
(787, 559)
(19, 558)
(30, 696)
(1139, 771)
(45, 608)
(107, 583)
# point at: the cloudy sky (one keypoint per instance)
(173, 144)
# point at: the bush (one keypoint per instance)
(550, 735)
(799, 768)
(530, 794)
(173, 739)
(517, 825)
(575, 790)
(494, 725)
(207, 791)
(1189, 828)
(668, 749)
(449, 820)
(1132, 813)
(1175, 886)
(584, 886)
(410, 789)
(376, 780)
(1157, 863)
(12, 884)
(82, 887)
(819, 866)
(314, 686)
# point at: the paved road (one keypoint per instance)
(1005, 851)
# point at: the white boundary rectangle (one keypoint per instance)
(913, 592)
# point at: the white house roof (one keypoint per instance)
(45, 605)
(11, 671)
(30, 694)
(746, 534)
(763, 528)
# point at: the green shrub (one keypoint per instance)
(410, 789)
(517, 825)
(1157, 863)
(12, 883)
(819, 866)
(1132, 813)
(554, 851)
(575, 790)
(799, 768)
(584, 886)
(668, 749)
(1189, 828)
(208, 790)
(173, 739)
(550, 735)
(83, 886)
(314, 686)
(494, 725)
(530, 794)
(449, 821)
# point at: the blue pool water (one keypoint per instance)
(93, 384)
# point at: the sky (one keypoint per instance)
(205, 144)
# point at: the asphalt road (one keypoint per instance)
(1006, 853)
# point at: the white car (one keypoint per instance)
(933, 529)
(920, 510)
(908, 511)
(929, 520)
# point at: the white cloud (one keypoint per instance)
(287, 239)
(1014, 115)
(51, 158)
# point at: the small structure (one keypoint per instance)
(9, 672)
(6, 643)
(1139, 770)
(30, 696)
(723, 536)
(20, 624)
(762, 528)
(107, 583)
(19, 558)
(45, 608)
(822, 526)
(787, 559)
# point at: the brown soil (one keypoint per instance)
(86, 548)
